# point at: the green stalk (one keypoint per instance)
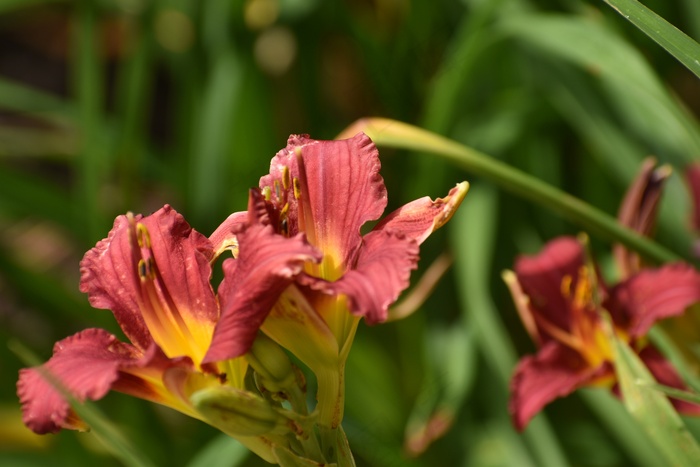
(331, 399)
(391, 133)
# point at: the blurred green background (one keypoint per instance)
(123, 105)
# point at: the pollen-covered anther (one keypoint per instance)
(565, 286)
(142, 236)
(297, 188)
(146, 269)
(285, 178)
(267, 193)
(284, 221)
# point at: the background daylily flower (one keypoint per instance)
(154, 274)
(324, 191)
(638, 211)
(560, 300)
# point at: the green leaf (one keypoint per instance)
(222, 451)
(624, 429)
(651, 409)
(631, 84)
(676, 42)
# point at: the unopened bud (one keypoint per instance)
(238, 412)
(274, 369)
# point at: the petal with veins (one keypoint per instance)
(651, 295)
(420, 218)
(267, 264)
(555, 371)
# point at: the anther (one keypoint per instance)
(285, 177)
(142, 236)
(566, 286)
(278, 191)
(297, 188)
(267, 193)
(146, 269)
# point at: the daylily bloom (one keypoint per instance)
(560, 299)
(301, 272)
(327, 191)
(154, 274)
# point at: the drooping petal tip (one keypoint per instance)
(420, 218)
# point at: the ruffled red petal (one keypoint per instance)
(266, 265)
(555, 371)
(541, 277)
(419, 218)
(651, 295)
(338, 181)
(87, 363)
(382, 272)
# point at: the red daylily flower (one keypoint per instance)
(325, 190)
(560, 299)
(154, 274)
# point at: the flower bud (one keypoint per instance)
(274, 369)
(238, 412)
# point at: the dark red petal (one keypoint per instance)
(653, 294)
(666, 374)
(638, 211)
(383, 270)
(340, 184)
(541, 276)
(419, 218)
(87, 363)
(267, 263)
(555, 371)
(176, 290)
(692, 175)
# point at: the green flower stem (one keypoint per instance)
(312, 449)
(331, 399)
(391, 133)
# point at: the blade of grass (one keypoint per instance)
(87, 86)
(652, 409)
(222, 451)
(676, 42)
(20, 97)
(624, 429)
(133, 107)
(109, 435)
(390, 133)
(631, 85)
(473, 241)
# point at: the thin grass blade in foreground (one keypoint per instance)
(676, 42)
(391, 133)
(109, 435)
(652, 409)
